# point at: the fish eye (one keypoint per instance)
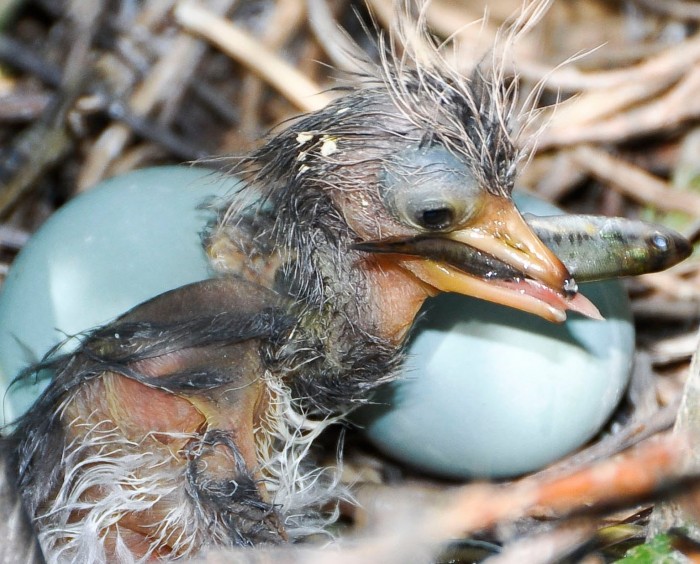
(428, 188)
(660, 242)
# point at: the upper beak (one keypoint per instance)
(498, 258)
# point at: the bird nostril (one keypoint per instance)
(437, 218)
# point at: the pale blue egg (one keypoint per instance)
(490, 392)
(131, 238)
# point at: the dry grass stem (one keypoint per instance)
(666, 67)
(236, 43)
(673, 286)
(634, 182)
(680, 104)
(153, 90)
(674, 349)
(286, 19)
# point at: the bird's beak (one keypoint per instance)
(498, 258)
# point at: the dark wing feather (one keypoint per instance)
(185, 348)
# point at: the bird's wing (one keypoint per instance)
(180, 377)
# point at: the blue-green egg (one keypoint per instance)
(127, 240)
(491, 392)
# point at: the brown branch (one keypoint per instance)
(672, 285)
(418, 529)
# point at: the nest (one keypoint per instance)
(93, 89)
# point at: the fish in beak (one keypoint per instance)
(496, 257)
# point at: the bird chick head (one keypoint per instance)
(417, 165)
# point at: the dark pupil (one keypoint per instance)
(438, 218)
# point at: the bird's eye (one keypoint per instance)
(428, 188)
(436, 218)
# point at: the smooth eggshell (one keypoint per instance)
(492, 392)
(129, 239)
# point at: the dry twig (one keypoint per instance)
(238, 44)
(666, 113)
(635, 182)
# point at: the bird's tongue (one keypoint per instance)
(578, 302)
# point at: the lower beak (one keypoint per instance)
(497, 258)
(523, 294)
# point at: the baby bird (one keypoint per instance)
(184, 424)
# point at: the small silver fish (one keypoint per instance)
(591, 247)
(596, 247)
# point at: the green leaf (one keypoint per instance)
(657, 551)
